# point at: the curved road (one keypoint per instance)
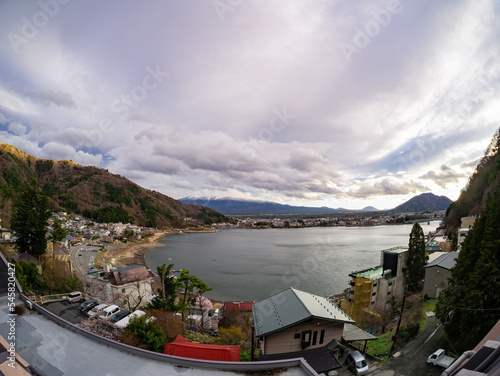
(413, 358)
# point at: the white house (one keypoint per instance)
(131, 286)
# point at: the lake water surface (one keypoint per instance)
(254, 264)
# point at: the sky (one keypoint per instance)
(316, 103)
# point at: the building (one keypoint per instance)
(5, 233)
(372, 289)
(26, 257)
(11, 363)
(131, 286)
(295, 323)
(187, 349)
(437, 273)
(234, 308)
(484, 360)
(465, 225)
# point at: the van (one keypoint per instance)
(357, 363)
(109, 311)
(75, 296)
(97, 309)
(125, 321)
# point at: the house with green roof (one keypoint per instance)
(295, 323)
(373, 288)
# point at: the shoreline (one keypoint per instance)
(133, 253)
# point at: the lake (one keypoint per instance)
(254, 264)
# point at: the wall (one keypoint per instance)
(435, 280)
(284, 341)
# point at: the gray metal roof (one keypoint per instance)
(290, 307)
(353, 333)
(446, 261)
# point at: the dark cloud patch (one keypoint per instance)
(385, 187)
(446, 175)
(48, 97)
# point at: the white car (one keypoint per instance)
(97, 309)
(109, 311)
(125, 321)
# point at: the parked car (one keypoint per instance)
(75, 296)
(119, 315)
(357, 363)
(97, 309)
(125, 321)
(86, 305)
(437, 358)
(109, 311)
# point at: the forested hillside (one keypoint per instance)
(470, 305)
(94, 193)
(481, 185)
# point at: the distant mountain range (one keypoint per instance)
(230, 206)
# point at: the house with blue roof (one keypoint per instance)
(295, 323)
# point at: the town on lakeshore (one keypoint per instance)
(93, 276)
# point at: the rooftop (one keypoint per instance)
(396, 250)
(291, 307)
(372, 273)
(446, 261)
(57, 351)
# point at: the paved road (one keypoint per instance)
(413, 358)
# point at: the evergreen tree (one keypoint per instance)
(166, 295)
(191, 284)
(470, 305)
(416, 256)
(58, 232)
(30, 218)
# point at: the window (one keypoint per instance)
(315, 338)
(390, 283)
(306, 339)
(123, 291)
(296, 336)
(322, 336)
(389, 293)
(374, 294)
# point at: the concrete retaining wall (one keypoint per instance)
(186, 362)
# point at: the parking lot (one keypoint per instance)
(67, 311)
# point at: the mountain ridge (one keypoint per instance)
(95, 193)
(425, 202)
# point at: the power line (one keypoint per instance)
(469, 309)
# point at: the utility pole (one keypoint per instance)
(252, 351)
(400, 315)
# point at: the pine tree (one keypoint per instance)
(416, 256)
(166, 298)
(30, 218)
(470, 305)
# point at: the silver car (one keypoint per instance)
(357, 363)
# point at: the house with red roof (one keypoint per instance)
(188, 349)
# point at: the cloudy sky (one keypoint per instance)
(318, 103)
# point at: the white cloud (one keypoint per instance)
(17, 128)
(422, 93)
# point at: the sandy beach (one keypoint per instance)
(133, 253)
